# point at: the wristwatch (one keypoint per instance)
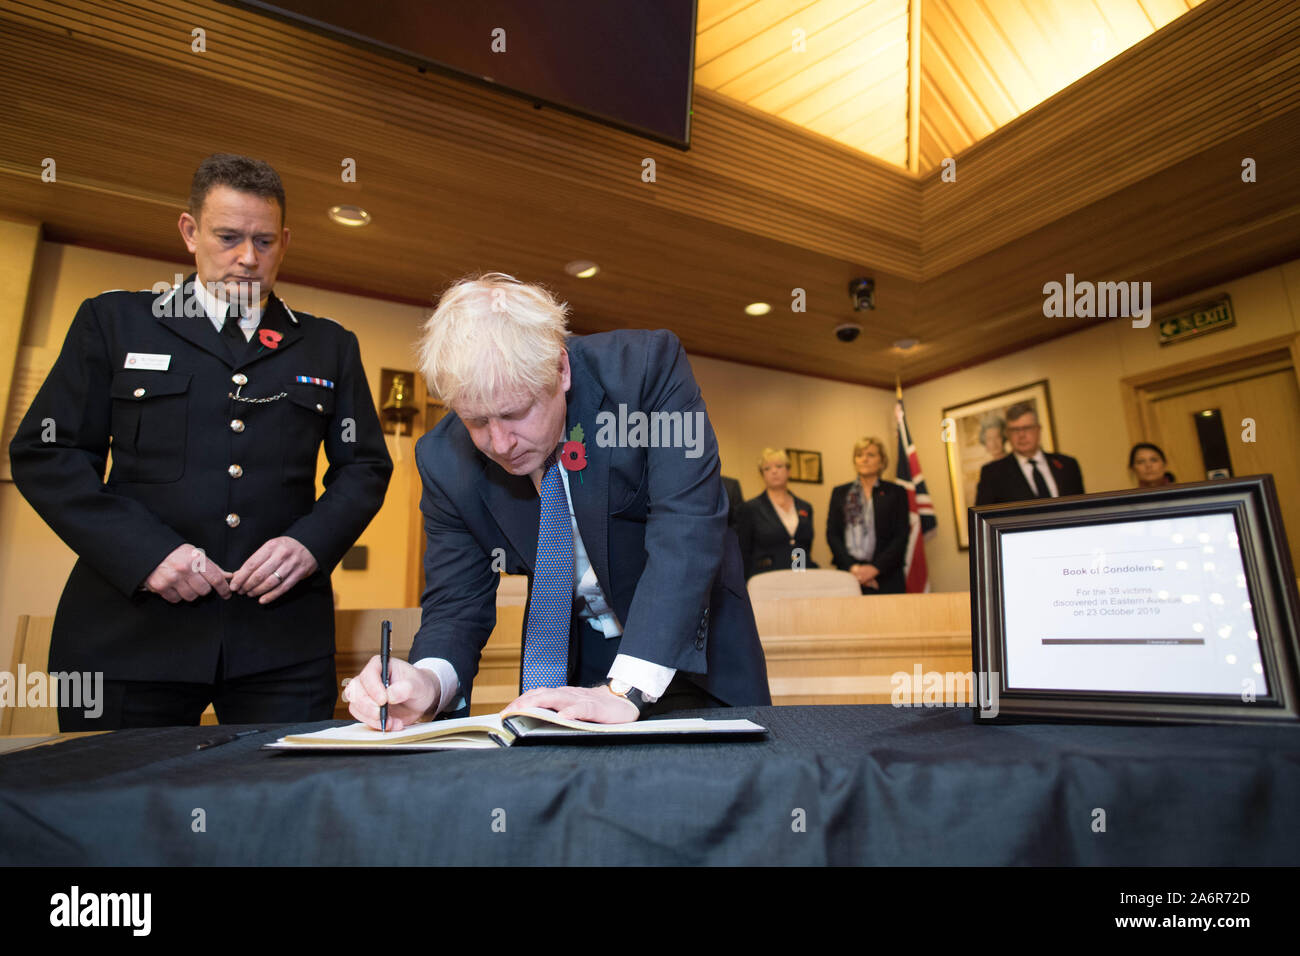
(621, 688)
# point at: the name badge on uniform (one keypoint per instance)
(148, 360)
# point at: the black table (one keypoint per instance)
(837, 785)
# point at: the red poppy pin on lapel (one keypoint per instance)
(269, 338)
(1056, 464)
(573, 456)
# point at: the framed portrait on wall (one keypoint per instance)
(974, 434)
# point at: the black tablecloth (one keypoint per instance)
(840, 785)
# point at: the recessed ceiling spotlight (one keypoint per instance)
(905, 344)
(348, 215)
(582, 268)
(757, 308)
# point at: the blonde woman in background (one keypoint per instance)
(867, 523)
(776, 528)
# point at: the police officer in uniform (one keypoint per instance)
(204, 558)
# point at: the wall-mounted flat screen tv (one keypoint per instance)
(626, 63)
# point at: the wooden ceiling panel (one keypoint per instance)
(709, 12)
(741, 25)
(842, 77)
(1133, 169)
(1127, 22)
(854, 60)
(983, 42)
(982, 63)
(797, 74)
(1160, 12)
(769, 57)
(1161, 102)
(850, 103)
(951, 60)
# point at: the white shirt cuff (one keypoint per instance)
(650, 679)
(447, 680)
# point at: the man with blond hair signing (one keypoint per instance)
(637, 601)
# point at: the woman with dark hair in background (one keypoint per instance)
(776, 524)
(1147, 462)
(867, 523)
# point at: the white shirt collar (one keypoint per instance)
(216, 309)
(1038, 455)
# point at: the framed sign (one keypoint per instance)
(1164, 604)
(1197, 320)
(805, 465)
(975, 434)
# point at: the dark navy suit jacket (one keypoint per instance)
(892, 530)
(1002, 480)
(653, 521)
(765, 545)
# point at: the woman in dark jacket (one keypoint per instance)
(1147, 462)
(776, 528)
(868, 522)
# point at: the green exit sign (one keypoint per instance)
(1199, 319)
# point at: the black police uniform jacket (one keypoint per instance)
(191, 463)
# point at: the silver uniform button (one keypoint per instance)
(139, 393)
(320, 407)
(232, 520)
(235, 471)
(236, 425)
(239, 378)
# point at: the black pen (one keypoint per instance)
(385, 649)
(218, 741)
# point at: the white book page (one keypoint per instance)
(359, 733)
(538, 722)
(476, 741)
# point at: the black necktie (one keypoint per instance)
(232, 333)
(1040, 480)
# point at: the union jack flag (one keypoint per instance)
(921, 520)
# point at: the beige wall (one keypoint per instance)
(1083, 372)
(20, 241)
(750, 408)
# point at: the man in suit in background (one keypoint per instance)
(735, 501)
(1028, 472)
(203, 561)
(637, 601)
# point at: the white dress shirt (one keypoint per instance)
(1027, 466)
(649, 678)
(216, 311)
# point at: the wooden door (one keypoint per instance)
(1269, 396)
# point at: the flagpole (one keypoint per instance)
(898, 387)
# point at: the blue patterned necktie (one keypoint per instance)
(550, 605)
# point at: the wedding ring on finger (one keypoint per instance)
(277, 577)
